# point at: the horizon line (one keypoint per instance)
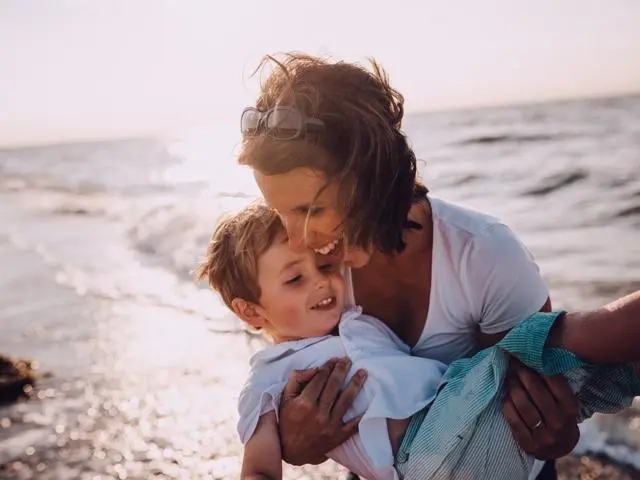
(161, 134)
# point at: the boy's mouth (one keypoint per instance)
(325, 304)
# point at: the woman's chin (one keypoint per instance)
(355, 257)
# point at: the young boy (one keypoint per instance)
(418, 418)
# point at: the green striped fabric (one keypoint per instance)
(464, 434)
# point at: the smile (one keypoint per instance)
(325, 303)
(328, 248)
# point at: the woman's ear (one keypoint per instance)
(248, 313)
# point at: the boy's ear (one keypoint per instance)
(248, 313)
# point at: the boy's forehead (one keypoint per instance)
(284, 257)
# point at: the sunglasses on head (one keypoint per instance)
(280, 122)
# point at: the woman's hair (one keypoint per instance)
(361, 147)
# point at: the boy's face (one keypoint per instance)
(302, 293)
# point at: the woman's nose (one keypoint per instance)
(295, 234)
(296, 240)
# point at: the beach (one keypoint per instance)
(140, 368)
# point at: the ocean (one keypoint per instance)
(141, 366)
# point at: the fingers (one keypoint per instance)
(348, 395)
(519, 428)
(313, 389)
(351, 427)
(333, 385)
(522, 386)
(304, 376)
(566, 400)
(297, 381)
(541, 412)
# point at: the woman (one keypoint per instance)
(325, 144)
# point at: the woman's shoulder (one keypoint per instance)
(461, 221)
(473, 239)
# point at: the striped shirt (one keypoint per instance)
(463, 433)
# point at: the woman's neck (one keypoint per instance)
(395, 288)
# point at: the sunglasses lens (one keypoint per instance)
(284, 122)
(250, 121)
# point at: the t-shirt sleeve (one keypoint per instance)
(503, 280)
(255, 400)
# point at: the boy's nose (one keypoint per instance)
(322, 281)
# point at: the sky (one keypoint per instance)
(89, 69)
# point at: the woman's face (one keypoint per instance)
(312, 220)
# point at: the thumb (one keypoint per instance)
(297, 380)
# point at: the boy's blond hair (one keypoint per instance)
(239, 240)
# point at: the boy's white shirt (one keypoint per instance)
(398, 385)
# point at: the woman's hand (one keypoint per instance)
(312, 409)
(542, 412)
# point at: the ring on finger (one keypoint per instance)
(537, 425)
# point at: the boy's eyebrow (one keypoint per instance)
(290, 264)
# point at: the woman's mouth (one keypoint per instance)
(328, 248)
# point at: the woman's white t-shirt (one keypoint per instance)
(483, 280)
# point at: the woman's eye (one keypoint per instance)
(326, 267)
(311, 211)
(315, 211)
(294, 280)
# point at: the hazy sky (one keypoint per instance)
(77, 69)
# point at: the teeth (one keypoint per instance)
(328, 248)
(324, 303)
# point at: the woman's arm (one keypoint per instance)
(262, 458)
(311, 412)
(610, 334)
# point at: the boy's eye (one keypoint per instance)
(294, 280)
